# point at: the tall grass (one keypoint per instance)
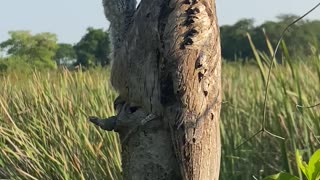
(294, 82)
(44, 133)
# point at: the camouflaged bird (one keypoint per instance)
(167, 63)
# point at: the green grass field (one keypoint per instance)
(44, 133)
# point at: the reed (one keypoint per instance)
(44, 132)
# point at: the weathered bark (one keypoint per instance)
(192, 61)
(167, 71)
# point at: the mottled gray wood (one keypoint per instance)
(166, 68)
(119, 13)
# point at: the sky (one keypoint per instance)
(69, 19)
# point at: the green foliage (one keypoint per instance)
(41, 51)
(311, 170)
(65, 54)
(235, 45)
(3, 67)
(36, 50)
(94, 48)
(234, 41)
(18, 64)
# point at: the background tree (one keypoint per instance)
(94, 48)
(234, 40)
(65, 54)
(36, 50)
(299, 40)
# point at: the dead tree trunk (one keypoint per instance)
(166, 69)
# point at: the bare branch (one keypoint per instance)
(273, 60)
(307, 107)
(263, 128)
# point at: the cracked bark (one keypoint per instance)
(166, 69)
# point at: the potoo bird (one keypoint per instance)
(167, 62)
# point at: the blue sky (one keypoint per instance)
(69, 19)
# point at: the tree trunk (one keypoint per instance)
(166, 69)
